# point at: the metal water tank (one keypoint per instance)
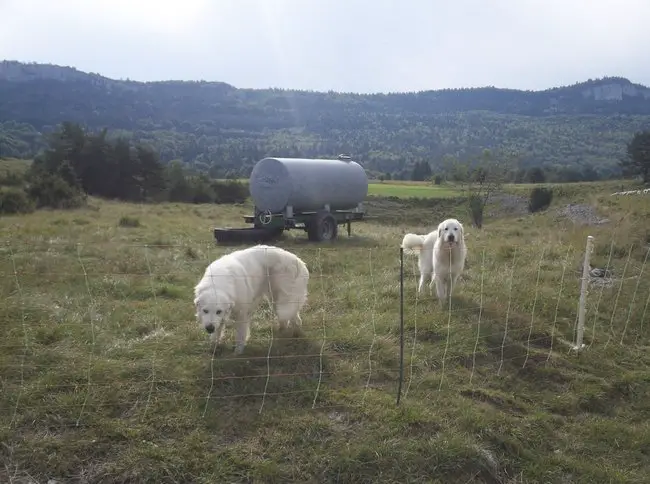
(307, 184)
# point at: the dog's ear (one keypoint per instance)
(440, 229)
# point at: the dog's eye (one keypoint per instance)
(455, 228)
(206, 311)
(446, 228)
(218, 311)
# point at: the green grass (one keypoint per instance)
(409, 189)
(403, 190)
(13, 165)
(106, 376)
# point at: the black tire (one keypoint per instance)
(323, 227)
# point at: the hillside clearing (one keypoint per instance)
(106, 377)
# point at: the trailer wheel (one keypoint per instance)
(323, 227)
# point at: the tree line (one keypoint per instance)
(78, 163)
(447, 171)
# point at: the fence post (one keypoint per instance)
(401, 323)
(583, 295)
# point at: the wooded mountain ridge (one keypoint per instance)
(579, 130)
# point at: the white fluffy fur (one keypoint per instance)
(233, 285)
(441, 255)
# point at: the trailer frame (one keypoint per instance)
(321, 225)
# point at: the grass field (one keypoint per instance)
(405, 190)
(410, 189)
(106, 377)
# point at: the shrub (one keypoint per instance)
(130, 222)
(51, 190)
(230, 191)
(15, 200)
(540, 199)
(11, 179)
(202, 192)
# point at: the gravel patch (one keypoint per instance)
(506, 204)
(582, 214)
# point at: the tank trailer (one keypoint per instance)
(316, 195)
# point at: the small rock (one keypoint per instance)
(597, 272)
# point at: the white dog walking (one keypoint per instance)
(441, 255)
(233, 285)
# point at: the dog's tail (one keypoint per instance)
(413, 243)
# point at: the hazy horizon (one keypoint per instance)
(332, 45)
(578, 81)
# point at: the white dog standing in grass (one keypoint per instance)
(233, 285)
(441, 255)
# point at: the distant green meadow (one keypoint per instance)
(402, 190)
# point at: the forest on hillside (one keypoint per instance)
(223, 130)
(77, 163)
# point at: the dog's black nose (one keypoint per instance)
(210, 328)
(451, 237)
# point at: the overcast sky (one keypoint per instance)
(342, 45)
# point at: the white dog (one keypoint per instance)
(233, 285)
(441, 255)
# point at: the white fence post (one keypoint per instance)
(583, 295)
